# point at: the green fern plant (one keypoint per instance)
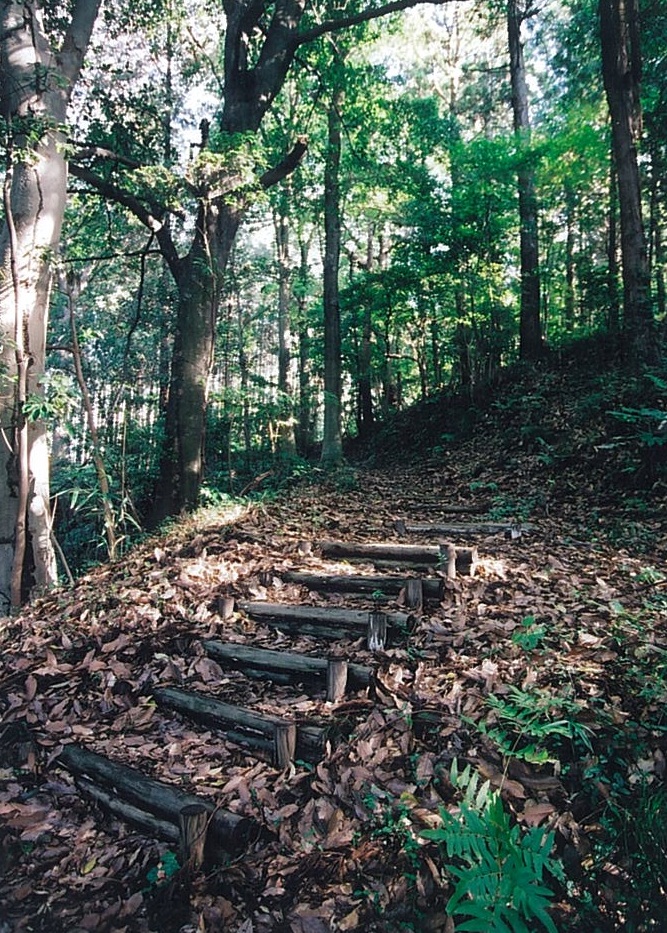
(498, 868)
(531, 724)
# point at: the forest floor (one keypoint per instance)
(545, 670)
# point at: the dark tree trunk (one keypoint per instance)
(365, 353)
(621, 69)
(332, 441)
(286, 441)
(569, 303)
(530, 332)
(199, 279)
(657, 249)
(614, 323)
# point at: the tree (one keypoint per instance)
(332, 440)
(37, 77)
(530, 335)
(260, 44)
(622, 73)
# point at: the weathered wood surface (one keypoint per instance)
(463, 529)
(148, 823)
(331, 623)
(445, 508)
(433, 588)
(466, 558)
(264, 662)
(193, 829)
(280, 733)
(337, 674)
(341, 622)
(227, 830)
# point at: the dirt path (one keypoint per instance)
(548, 626)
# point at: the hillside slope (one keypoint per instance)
(544, 670)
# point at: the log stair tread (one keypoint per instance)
(267, 662)
(163, 810)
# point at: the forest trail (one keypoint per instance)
(542, 614)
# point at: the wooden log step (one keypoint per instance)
(149, 824)
(463, 529)
(290, 667)
(366, 584)
(446, 508)
(466, 558)
(327, 622)
(227, 832)
(256, 730)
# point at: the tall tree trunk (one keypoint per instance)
(73, 288)
(530, 333)
(656, 245)
(286, 440)
(304, 427)
(199, 280)
(365, 351)
(621, 70)
(332, 440)
(614, 322)
(569, 302)
(36, 82)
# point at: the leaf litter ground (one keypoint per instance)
(559, 629)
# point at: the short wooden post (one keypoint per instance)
(336, 679)
(284, 744)
(414, 593)
(377, 630)
(193, 825)
(448, 552)
(225, 608)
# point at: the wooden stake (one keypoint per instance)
(284, 744)
(193, 826)
(336, 679)
(449, 551)
(414, 593)
(377, 631)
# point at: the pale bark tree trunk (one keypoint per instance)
(530, 333)
(332, 440)
(621, 70)
(36, 82)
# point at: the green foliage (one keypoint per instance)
(530, 724)
(530, 635)
(633, 834)
(165, 869)
(53, 403)
(499, 869)
(649, 425)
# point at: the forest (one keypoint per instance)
(333, 405)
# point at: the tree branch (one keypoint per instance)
(355, 19)
(133, 204)
(76, 40)
(85, 151)
(286, 166)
